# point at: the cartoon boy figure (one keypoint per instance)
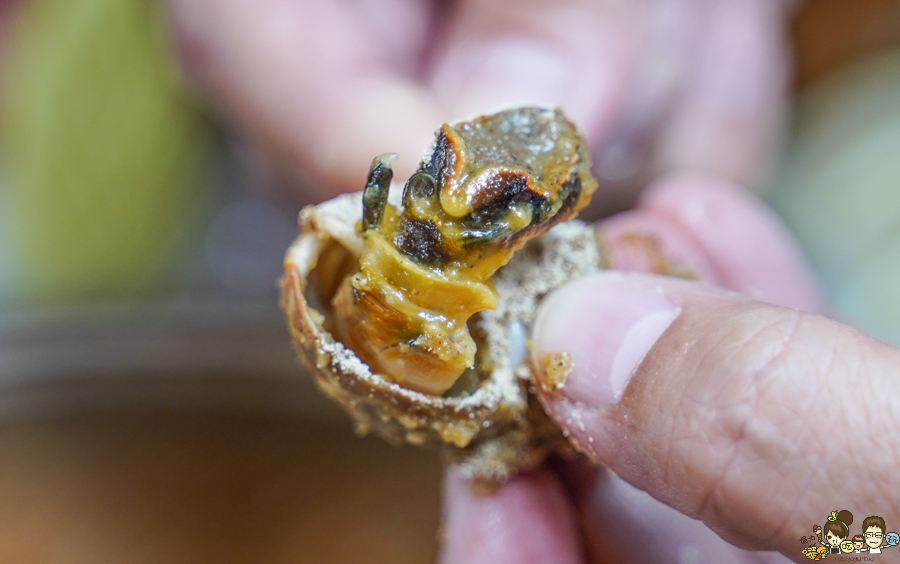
(859, 544)
(874, 531)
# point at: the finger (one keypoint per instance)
(749, 417)
(310, 82)
(646, 240)
(714, 231)
(733, 96)
(528, 519)
(658, 235)
(576, 54)
(623, 521)
(663, 235)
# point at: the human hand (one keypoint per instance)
(756, 419)
(323, 87)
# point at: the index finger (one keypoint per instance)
(308, 81)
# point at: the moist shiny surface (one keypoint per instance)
(486, 187)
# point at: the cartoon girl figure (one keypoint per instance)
(836, 530)
(859, 544)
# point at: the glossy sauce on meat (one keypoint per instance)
(486, 187)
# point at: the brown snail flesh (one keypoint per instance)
(414, 318)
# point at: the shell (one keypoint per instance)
(490, 431)
(496, 430)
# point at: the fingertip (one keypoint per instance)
(747, 245)
(641, 240)
(606, 323)
(712, 416)
(503, 53)
(320, 93)
(392, 116)
(528, 519)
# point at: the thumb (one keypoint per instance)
(753, 418)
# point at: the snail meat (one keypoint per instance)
(411, 306)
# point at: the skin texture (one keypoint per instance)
(720, 418)
(655, 85)
(704, 403)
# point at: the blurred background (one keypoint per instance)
(150, 405)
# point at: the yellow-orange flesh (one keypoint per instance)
(488, 186)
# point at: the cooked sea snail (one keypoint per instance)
(413, 315)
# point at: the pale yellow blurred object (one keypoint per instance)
(102, 149)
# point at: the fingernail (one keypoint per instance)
(502, 74)
(606, 325)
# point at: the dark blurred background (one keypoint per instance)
(150, 406)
